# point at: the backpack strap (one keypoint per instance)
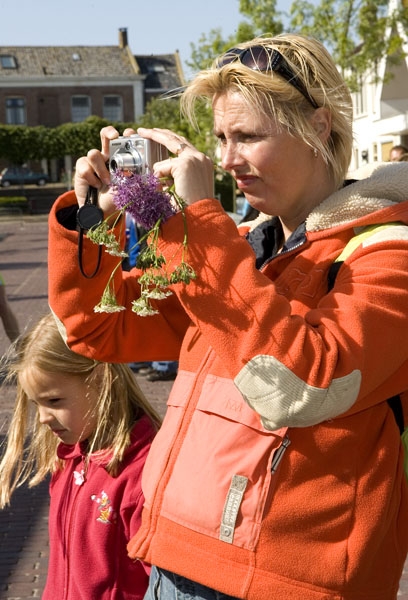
(395, 401)
(352, 245)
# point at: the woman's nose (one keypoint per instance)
(230, 157)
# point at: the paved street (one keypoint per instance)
(23, 526)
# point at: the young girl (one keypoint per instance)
(92, 429)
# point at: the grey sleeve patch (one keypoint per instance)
(282, 399)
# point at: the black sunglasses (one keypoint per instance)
(260, 58)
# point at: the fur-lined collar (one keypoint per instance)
(387, 185)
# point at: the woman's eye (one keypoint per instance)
(248, 138)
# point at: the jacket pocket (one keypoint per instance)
(219, 484)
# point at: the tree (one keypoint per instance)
(164, 112)
(350, 29)
(353, 31)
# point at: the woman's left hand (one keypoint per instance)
(191, 170)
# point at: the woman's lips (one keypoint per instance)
(244, 181)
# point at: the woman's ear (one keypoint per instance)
(321, 123)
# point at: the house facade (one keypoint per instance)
(53, 85)
(381, 109)
(46, 85)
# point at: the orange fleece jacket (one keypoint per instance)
(278, 470)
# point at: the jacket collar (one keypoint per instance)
(386, 186)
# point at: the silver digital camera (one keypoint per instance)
(134, 154)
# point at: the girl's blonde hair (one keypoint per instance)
(31, 448)
(273, 95)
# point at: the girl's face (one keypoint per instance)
(277, 172)
(65, 403)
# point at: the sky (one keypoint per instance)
(154, 26)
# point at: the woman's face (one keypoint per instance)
(274, 170)
(65, 403)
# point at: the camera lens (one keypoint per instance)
(127, 161)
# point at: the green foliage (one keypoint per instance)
(354, 33)
(164, 112)
(266, 19)
(208, 47)
(350, 30)
(20, 143)
(6, 201)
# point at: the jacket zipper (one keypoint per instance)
(291, 249)
(68, 535)
(278, 455)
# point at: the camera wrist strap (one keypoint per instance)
(91, 200)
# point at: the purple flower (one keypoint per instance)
(141, 196)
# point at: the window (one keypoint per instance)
(16, 111)
(112, 108)
(8, 62)
(80, 108)
(360, 99)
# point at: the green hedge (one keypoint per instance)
(13, 201)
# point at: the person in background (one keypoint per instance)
(396, 152)
(163, 370)
(132, 246)
(91, 430)
(9, 320)
(278, 471)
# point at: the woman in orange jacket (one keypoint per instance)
(278, 471)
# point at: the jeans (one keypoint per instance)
(164, 585)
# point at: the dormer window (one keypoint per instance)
(8, 61)
(156, 68)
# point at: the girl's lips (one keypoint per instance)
(58, 432)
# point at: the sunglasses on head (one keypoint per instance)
(260, 58)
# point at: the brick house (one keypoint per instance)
(52, 85)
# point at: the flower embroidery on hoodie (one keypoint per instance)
(106, 513)
(79, 477)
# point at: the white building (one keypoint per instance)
(381, 109)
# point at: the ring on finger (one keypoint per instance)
(180, 148)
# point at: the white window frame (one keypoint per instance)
(113, 112)
(83, 109)
(16, 113)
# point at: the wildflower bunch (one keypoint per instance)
(142, 197)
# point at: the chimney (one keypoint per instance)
(123, 39)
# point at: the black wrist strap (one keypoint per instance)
(91, 198)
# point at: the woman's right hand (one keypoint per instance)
(92, 170)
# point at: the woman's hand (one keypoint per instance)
(191, 170)
(92, 170)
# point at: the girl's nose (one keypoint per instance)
(44, 415)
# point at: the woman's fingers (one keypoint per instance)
(191, 170)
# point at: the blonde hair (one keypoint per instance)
(31, 448)
(274, 96)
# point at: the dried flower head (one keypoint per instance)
(141, 196)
